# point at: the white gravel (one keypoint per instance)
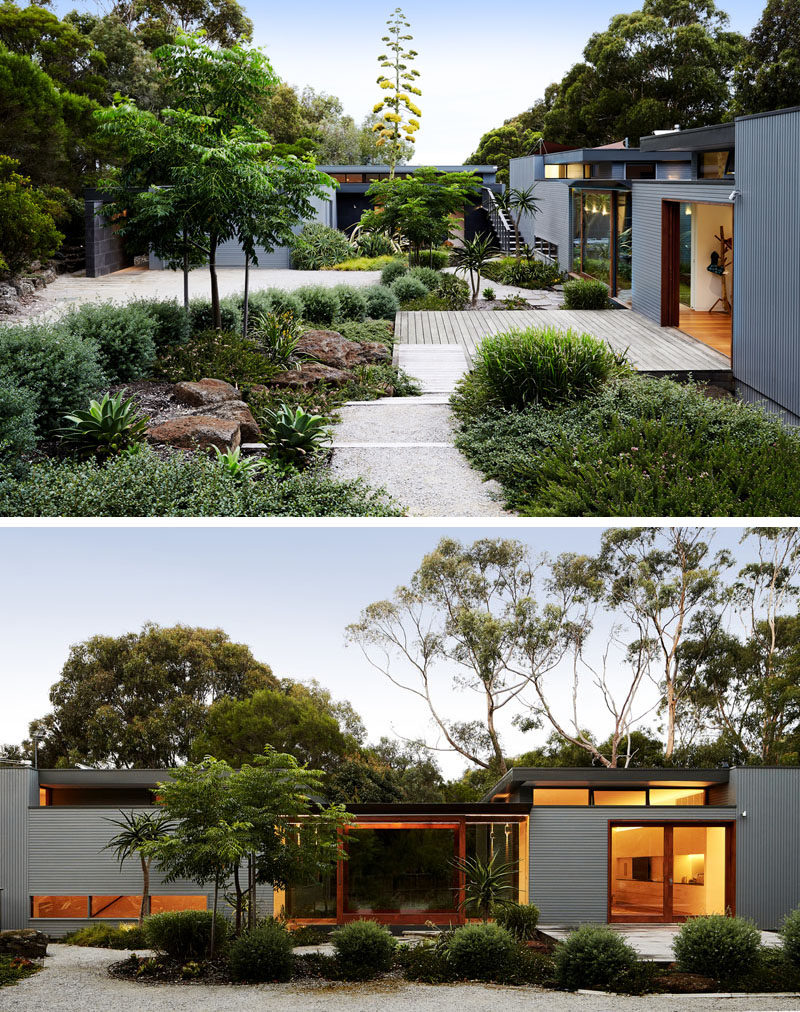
(75, 980)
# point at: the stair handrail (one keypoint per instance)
(503, 226)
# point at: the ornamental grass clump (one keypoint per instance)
(363, 949)
(541, 365)
(480, 951)
(723, 948)
(583, 294)
(593, 956)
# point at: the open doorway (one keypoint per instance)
(697, 271)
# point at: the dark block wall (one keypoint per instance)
(105, 252)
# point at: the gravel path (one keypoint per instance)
(75, 980)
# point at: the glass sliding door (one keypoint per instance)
(637, 873)
(596, 246)
(698, 876)
(601, 237)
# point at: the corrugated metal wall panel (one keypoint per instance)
(767, 847)
(17, 787)
(569, 857)
(766, 292)
(646, 234)
(553, 222)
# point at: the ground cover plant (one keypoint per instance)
(107, 936)
(13, 969)
(523, 273)
(629, 445)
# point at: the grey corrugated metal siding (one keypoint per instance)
(569, 856)
(16, 787)
(767, 853)
(646, 234)
(553, 222)
(766, 292)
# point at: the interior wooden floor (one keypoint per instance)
(713, 329)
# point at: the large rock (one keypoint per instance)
(197, 432)
(23, 942)
(332, 349)
(238, 411)
(205, 392)
(308, 375)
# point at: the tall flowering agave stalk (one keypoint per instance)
(400, 119)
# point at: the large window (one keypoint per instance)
(560, 796)
(59, 906)
(499, 840)
(715, 165)
(75, 907)
(624, 797)
(601, 237)
(313, 900)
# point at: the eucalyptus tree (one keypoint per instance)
(399, 121)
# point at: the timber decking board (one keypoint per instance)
(650, 348)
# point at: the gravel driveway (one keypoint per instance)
(75, 980)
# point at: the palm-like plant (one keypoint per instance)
(137, 830)
(107, 427)
(473, 255)
(488, 885)
(521, 202)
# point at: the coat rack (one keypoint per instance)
(719, 265)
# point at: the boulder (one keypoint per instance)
(24, 287)
(330, 348)
(238, 411)
(23, 942)
(205, 392)
(197, 432)
(9, 304)
(308, 375)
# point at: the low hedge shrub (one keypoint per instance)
(382, 303)
(479, 951)
(123, 335)
(394, 270)
(723, 948)
(362, 264)
(280, 302)
(408, 287)
(352, 304)
(320, 304)
(185, 934)
(519, 919)
(363, 949)
(437, 259)
(428, 276)
(454, 291)
(523, 273)
(592, 956)
(584, 294)
(173, 325)
(265, 953)
(201, 316)
(320, 246)
(790, 935)
(17, 422)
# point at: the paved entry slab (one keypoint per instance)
(651, 941)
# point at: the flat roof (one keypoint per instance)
(612, 155)
(407, 168)
(705, 138)
(599, 776)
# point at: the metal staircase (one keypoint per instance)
(508, 239)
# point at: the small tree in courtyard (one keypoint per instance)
(137, 831)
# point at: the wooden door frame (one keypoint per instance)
(729, 825)
(670, 263)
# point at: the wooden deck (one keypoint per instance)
(650, 348)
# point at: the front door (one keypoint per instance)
(668, 872)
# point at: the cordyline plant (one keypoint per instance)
(396, 126)
(489, 884)
(137, 830)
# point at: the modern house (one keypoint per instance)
(341, 208)
(694, 229)
(591, 844)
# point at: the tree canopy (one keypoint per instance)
(768, 76)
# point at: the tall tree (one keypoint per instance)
(141, 698)
(669, 63)
(768, 76)
(160, 22)
(517, 136)
(399, 121)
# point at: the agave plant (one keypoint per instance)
(233, 464)
(107, 427)
(294, 434)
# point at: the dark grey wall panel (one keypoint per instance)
(553, 222)
(646, 234)
(569, 856)
(767, 854)
(17, 787)
(766, 292)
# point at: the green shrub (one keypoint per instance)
(367, 330)
(592, 956)
(106, 428)
(185, 934)
(723, 948)
(479, 951)
(362, 264)
(123, 335)
(201, 317)
(584, 294)
(173, 325)
(407, 288)
(540, 365)
(265, 953)
(437, 259)
(382, 303)
(454, 290)
(320, 246)
(374, 244)
(106, 936)
(308, 934)
(394, 270)
(363, 949)
(145, 485)
(425, 963)
(281, 302)
(320, 304)
(352, 304)
(17, 422)
(58, 368)
(519, 920)
(790, 935)
(523, 273)
(428, 276)
(226, 355)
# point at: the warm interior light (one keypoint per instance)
(688, 209)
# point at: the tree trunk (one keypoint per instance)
(251, 888)
(214, 916)
(239, 898)
(185, 273)
(145, 907)
(216, 314)
(246, 305)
